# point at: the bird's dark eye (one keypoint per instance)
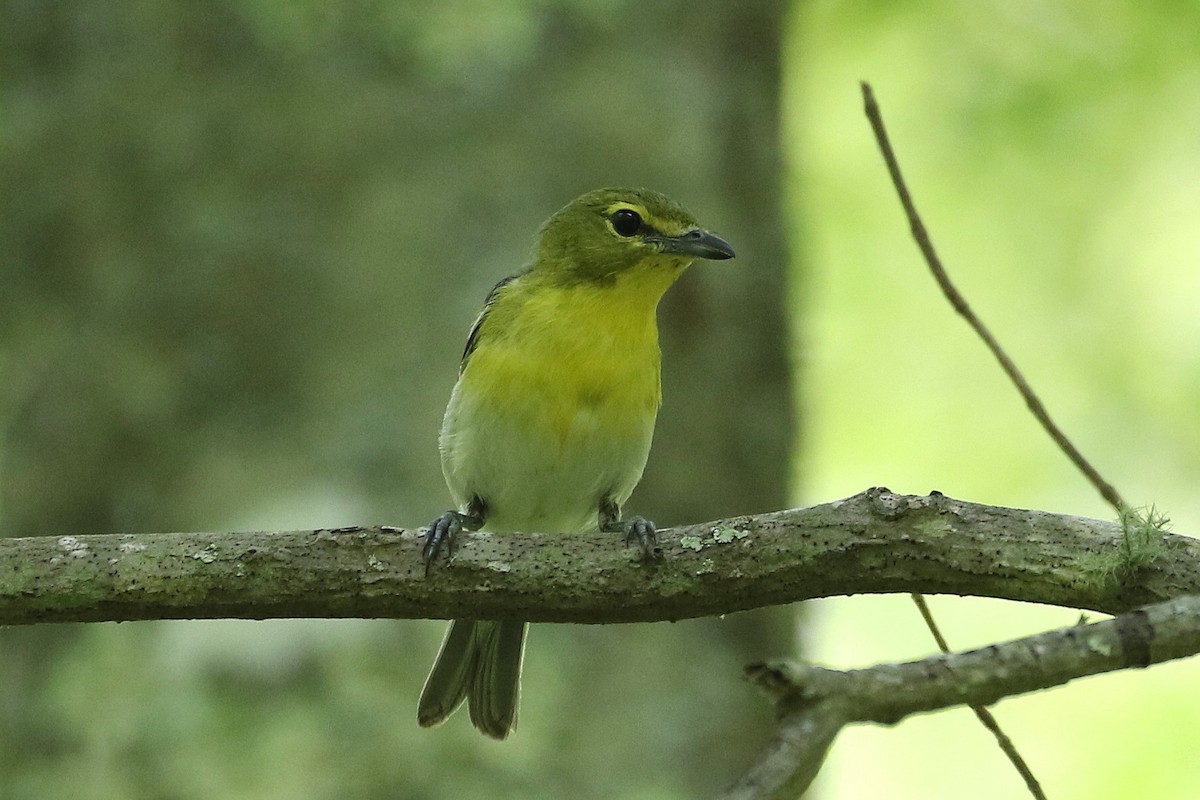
(626, 222)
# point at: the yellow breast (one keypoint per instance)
(555, 407)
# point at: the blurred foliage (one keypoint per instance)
(241, 244)
(240, 247)
(1052, 150)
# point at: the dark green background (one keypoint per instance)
(241, 244)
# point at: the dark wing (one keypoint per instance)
(473, 336)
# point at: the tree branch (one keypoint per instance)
(814, 703)
(873, 542)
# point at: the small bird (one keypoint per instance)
(549, 425)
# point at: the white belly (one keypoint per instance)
(541, 456)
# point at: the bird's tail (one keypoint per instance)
(479, 662)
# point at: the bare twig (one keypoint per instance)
(1106, 490)
(982, 713)
(813, 700)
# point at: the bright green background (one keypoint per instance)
(240, 244)
(1053, 151)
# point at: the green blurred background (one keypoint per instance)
(241, 244)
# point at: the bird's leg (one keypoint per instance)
(637, 529)
(444, 529)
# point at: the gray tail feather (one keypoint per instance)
(446, 686)
(480, 661)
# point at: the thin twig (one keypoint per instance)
(889, 693)
(814, 702)
(986, 718)
(1106, 490)
(1031, 400)
(927, 615)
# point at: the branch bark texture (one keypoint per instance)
(873, 542)
(814, 703)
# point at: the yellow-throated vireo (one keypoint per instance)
(549, 425)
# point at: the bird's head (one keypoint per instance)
(607, 232)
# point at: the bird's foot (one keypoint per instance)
(639, 530)
(442, 531)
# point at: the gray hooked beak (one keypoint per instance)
(697, 243)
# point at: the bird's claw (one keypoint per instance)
(641, 531)
(441, 533)
(443, 530)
